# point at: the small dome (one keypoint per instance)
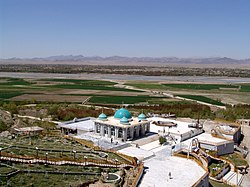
(102, 116)
(119, 114)
(142, 117)
(124, 120)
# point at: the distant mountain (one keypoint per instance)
(129, 60)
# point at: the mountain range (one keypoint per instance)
(80, 59)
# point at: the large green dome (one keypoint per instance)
(122, 113)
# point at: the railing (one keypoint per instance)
(138, 176)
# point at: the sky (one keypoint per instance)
(133, 28)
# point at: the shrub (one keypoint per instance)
(162, 140)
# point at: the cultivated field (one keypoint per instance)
(118, 92)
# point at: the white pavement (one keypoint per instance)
(184, 172)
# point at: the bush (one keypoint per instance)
(162, 140)
(3, 126)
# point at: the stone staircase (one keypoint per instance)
(233, 178)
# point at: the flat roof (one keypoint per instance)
(116, 122)
(184, 172)
(181, 128)
(205, 138)
(86, 124)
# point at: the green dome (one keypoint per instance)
(122, 113)
(142, 117)
(124, 120)
(102, 116)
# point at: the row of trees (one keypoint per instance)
(140, 70)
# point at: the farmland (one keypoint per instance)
(57, 90)
(121, 99)
(202, 99)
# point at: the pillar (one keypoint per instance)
(124, 134)
(102, 131)
(109, 131)
(148, 127)
(143, 129)
(95, 128)
(132, 133)
(137, 133)
(116, 132)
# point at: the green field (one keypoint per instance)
(120, 99)
(14, 81)
(201, 86)
(147, 86)
(79, 81)
(12, 87)
(89, 87)
(202, 99)
(86, 85)
(245, 88)
(9, 94)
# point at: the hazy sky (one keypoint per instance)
(181, 28)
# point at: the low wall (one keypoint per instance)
(138, 176)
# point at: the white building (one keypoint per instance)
(122, 125)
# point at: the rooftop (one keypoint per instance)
(86, 124)
(116, 122)
(181, 128)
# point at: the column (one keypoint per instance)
(124, 134)
(137, 133)
(102, 130)
(143, 130)
(95, 128)
(116, 132)
(132, 133)
(148, 127)
(109, 131)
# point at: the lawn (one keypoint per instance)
(202, 99)
(120, 99)
(235, 158)
(43, 179)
